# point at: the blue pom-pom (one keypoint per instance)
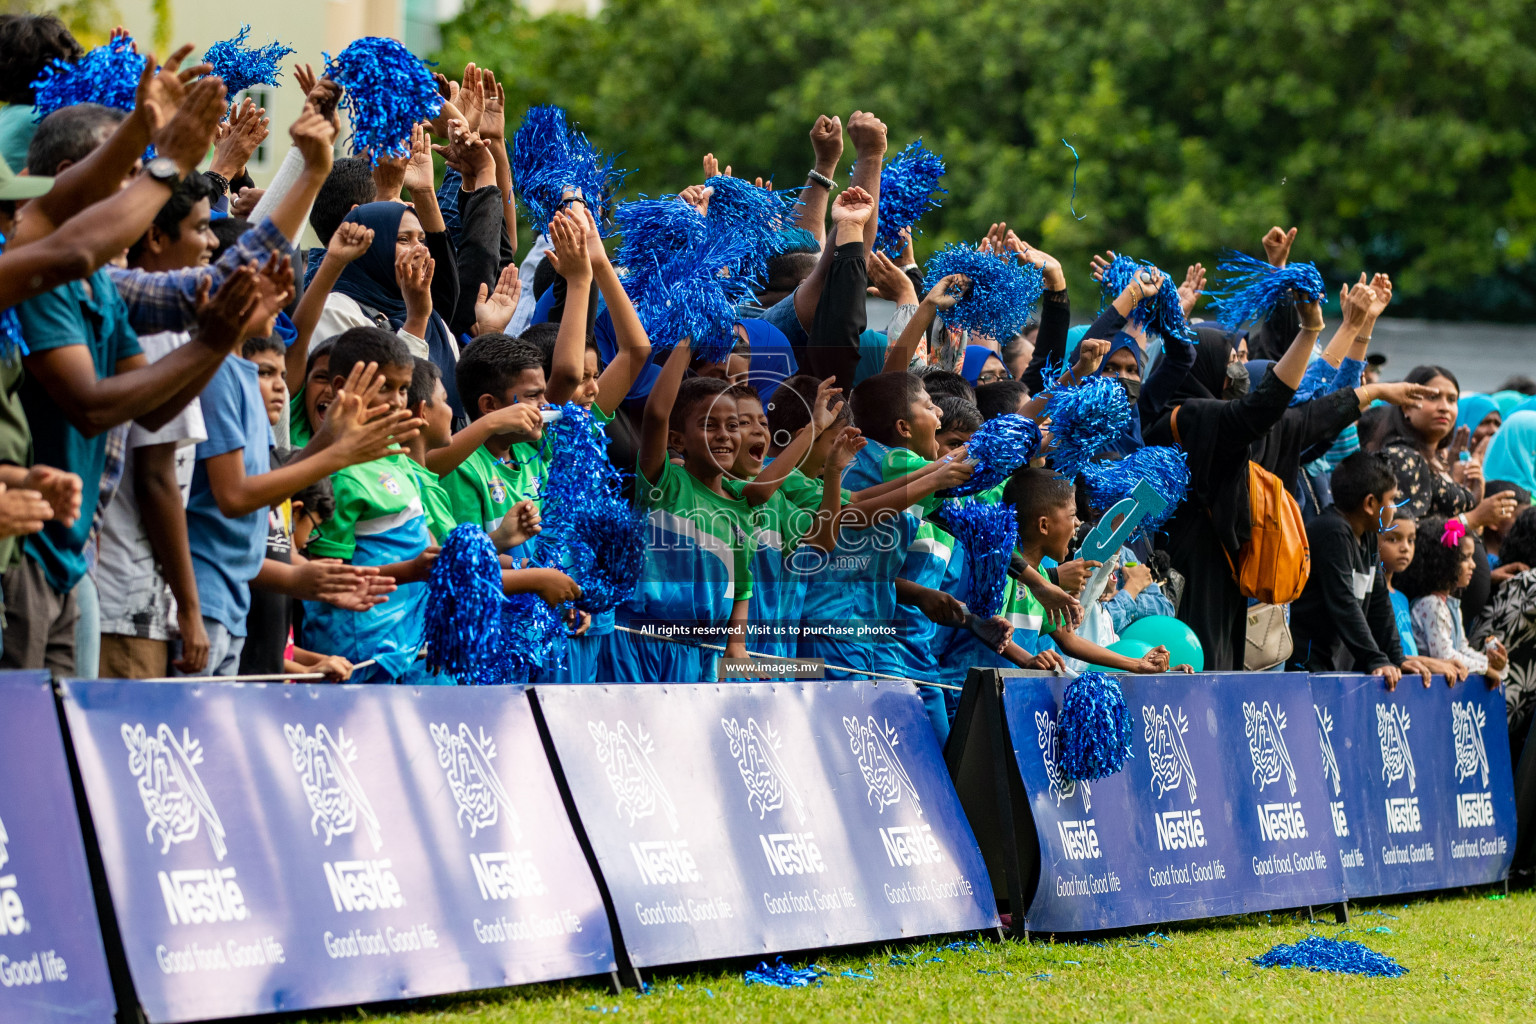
(999, 446)
(242, 67)
(108, 75)
(782, 975)
(908, 183)
(1337, 956)
(1002, 295)
(551, 159)
(756, 216)
(1166, 469)
(1084, 418)
(464, 602)
(388, 91)
(532, 637)
(1251, 289)
(1094, 728)
(988, 533)
(1160, 313)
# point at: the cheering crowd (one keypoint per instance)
(221, 454)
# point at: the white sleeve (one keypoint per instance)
(287, 173)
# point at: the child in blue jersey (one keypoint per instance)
(696, 583)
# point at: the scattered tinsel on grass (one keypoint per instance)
(550, 158)
(1318, 953)
(1160, 313)
(388, 90)
(998, 447)
(908, 183)
(1252, 289)
(108, 75)
(782, 975)
(1084, 418)
(1166, 469)
(241, 66)
(988, 533)
(1094, 727)
(1002, 294)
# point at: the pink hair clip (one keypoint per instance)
(1455, 530)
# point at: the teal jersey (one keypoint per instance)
(483, 488)
(697, 558)
(777, 595)
(434, 502)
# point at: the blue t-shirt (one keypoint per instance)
(1401, 613)
(89, 313)
(227, 553)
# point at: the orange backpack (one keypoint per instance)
(1274, 564)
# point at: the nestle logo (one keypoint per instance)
(1078, 839)
(506, 876)
(1282, 821)
(1180, 830)
(908, 846)
(1474, 810)
(1340, 822)
(665, 862)
(363, 885)
(792, 853)
(1403, 814)
(202, 896)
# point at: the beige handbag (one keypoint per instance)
(1269, 638)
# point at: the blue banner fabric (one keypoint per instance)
(755, 818)
(52, 965)
(1221, 808)
(1419, 784)
(274, 848)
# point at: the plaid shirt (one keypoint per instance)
(167, 300)
(448, 203)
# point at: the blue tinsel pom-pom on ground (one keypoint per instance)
(108, 75)
(241, 66)
(1094, 727)
(999, 446)
(1318, 953)
(1161, 312)
(1252, 289)
(908, 183)
(388, 90)
(987, 533)
(1165, 468)
(551, 158)
(782, 975)
(464, 603)
(1084, 418)
(1003, 291)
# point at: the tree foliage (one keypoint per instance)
(1395, 133)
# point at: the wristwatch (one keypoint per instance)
(164, 170)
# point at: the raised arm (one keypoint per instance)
(349, 242)
(633, 344)
(868, 135)
(567, 230)
(656, 420)
(827, 144)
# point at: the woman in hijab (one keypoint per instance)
(983, 365)
(390, 286)
(1512, 453)
(1480, 414)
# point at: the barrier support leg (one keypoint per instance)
(613, 983)
(1341, 912)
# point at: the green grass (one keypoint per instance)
(1470, 958)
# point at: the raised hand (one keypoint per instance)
(238, 137)
(1100, 264)
(520, 421)
(221, 318)
(1090, 354)
(314, 133)
(568, 247)
(697, 196)
(1404, 394)
(887, 280)
(419, 176)
(494, 307)
(306, 78)
(1277, 245)
(162, 90)
(243, 202)
(827, 404)
(471, 100)
(349, 241)
(1191, 289)
(850, 441)
(827, 143)
(413, 274)
(1381, 289)
(853, 206)
(712, 167)
(493, 119)
(1356, 302)
(187, 134)
(949, 290)
(868, 134)
(389, 178)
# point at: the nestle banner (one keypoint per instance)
(1419, 782)
(1221, 809)
(273, 848)
(754, 818)
(52, 965)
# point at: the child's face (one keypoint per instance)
(586, 393)
(1468, 562)
(1386, 509)
(923, 420)
(317, 390)
(711, 436)
(1060, 526)
(438, 431)
(397, 385)
(753, 424)
(949, 440)
(1395, 548)
(272, 376)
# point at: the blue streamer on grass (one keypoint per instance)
(108, 75)
(388, 90)
(1161, 312)
(1003, 290)
(1084, 418)
(241, 66)
(1251, 289)
(1094, 728)
(782, 975)
(464, 603)
(908, 183)
(551, 158)
(1165, 468)
(998, 447)
(1076, 163)
(987, 533)
(1318, 953)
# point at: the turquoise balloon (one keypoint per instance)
(1184, 647)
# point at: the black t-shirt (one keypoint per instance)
(268, 623)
